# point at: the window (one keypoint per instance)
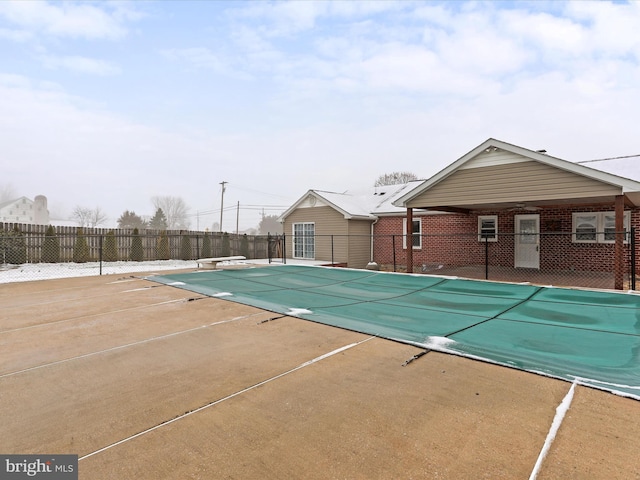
(416, 236)
(304, 240)
(598, 227)
(488, 228)
(585, 227)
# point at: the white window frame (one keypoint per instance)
(494, 236)
(305, 244)
(416, 234)
(600, 225)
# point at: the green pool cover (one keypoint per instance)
(591, 337)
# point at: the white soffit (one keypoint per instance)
(312, 201)
(493, 158)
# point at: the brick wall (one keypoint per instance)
(452, 239)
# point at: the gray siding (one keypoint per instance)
(327, 222)
(359, 243)
(522, 181)
(338, 239)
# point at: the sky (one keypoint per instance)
(108, 104)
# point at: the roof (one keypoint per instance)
(13, 201)
(626, 176)
(626, 167)
(365, 204)
(369, 204)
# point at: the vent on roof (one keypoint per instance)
(541, 151)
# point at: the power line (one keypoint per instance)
(258, 191)
(609, 158)
(242, 207)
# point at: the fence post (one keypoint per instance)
(486, 257)
(633, 258)
(393, 249)
(332, 262)
(100, 252)
(284, 249)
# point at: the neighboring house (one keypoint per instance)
(499, 193)
(24, 210)
(338, 227)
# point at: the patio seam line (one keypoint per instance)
(229, 396)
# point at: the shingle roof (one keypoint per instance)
(369, 202)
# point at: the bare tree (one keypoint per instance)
(98, 217)
(395, 178)
(175, 211)
(87, 217)
(7, 192)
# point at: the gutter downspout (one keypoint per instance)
(618, 261)
(371, 247)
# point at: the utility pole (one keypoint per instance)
(222, 203)
(237, 217)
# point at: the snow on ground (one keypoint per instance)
(44, 271)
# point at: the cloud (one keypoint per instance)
(204, 58)
(323, 95)
(79, 64)
(15, 35)
(613, 27)
(68, 19)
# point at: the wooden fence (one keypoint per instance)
(32, 240)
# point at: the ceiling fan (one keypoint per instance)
(523, 206)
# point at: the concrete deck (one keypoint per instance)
(146, 381)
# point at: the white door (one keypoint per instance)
(527, 241)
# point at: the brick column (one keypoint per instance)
(618, 261)
(409, 241)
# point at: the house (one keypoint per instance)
(504, 193)
(499, 206)
(338, 227)
(24, 210)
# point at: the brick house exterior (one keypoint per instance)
(499, 205)
(445, 236)
(538, 211)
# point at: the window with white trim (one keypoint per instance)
(598, 227)
(488, 228)
(304, 240)
(416, 236)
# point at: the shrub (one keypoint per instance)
(206, 246)
(80, 248)
(226, 247)
(110, 248)
(162, 249)
(185, 247)
(13, 248)
(244, 246)
(137, 251)
(51, 246)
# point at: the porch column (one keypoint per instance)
(409, 241)
(618, 254)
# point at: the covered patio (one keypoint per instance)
(499, 188)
